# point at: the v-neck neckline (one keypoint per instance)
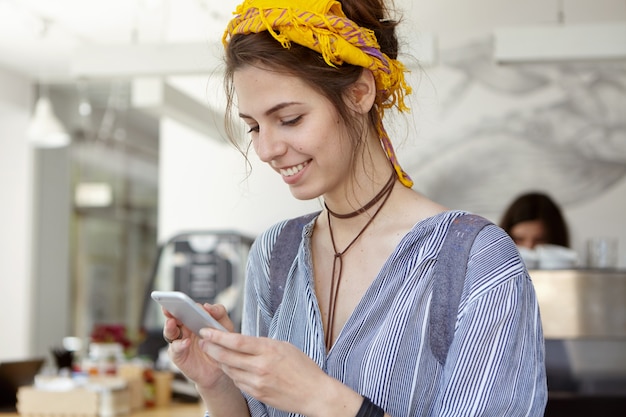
(426, 223)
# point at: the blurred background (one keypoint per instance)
(111, 142)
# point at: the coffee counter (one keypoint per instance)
(583, 313)
(582, 303)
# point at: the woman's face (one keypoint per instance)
(294, 129)
(529, 233)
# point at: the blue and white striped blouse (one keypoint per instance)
(495, 365)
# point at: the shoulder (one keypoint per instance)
(264, 242)
(493, 257)
(487, 239)
(493, 243)
(494, 260)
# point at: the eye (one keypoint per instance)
(291, 122)
(253, 129)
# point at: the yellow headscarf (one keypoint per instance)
(322, 26)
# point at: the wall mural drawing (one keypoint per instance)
(498, 130)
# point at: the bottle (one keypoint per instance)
(149, 393)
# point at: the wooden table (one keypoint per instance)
(174, 410)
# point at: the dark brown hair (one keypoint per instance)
(261, 49)
(537, 206)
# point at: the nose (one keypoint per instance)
(268, 145)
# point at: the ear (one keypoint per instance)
(362, 94)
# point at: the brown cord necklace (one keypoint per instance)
(335, 281)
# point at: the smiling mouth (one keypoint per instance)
(288, 172)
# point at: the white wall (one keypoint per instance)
(459, 23)
(203, 186)
(455, 22)
(16, 209)
(602, 217)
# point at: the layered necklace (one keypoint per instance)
(338, 257)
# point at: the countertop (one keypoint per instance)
(174, 410)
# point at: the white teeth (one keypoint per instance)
(288, 172)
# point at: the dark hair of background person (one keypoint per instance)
(537, 206)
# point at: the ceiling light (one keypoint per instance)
(93, 194)
(45, 129)
(562, 42)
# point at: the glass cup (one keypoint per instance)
(602, 252)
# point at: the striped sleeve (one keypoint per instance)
(257, 299)
(495, 364)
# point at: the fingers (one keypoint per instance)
(235, 356)
(172, 330)
(232, 341)
(180, 336)
(179, 349)
(270, 370)
(219, 313)
(225, 348)
(235, 351)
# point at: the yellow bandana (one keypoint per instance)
(322, 26)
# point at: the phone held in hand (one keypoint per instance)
(190, 313)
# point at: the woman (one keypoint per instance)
(533, 219)
(349, 337)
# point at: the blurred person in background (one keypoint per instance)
(533, 219)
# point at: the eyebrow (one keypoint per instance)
(272, 110)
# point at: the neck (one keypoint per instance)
(381, 198)
(350, 211)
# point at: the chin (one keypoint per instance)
(303, 195)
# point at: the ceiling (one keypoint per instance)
(95, 50)
(42, 38)
(39, 37)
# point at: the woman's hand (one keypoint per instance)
(277, 374)
(185, 352)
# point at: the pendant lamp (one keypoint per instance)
(45, 129)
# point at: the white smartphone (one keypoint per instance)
(181, 306)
